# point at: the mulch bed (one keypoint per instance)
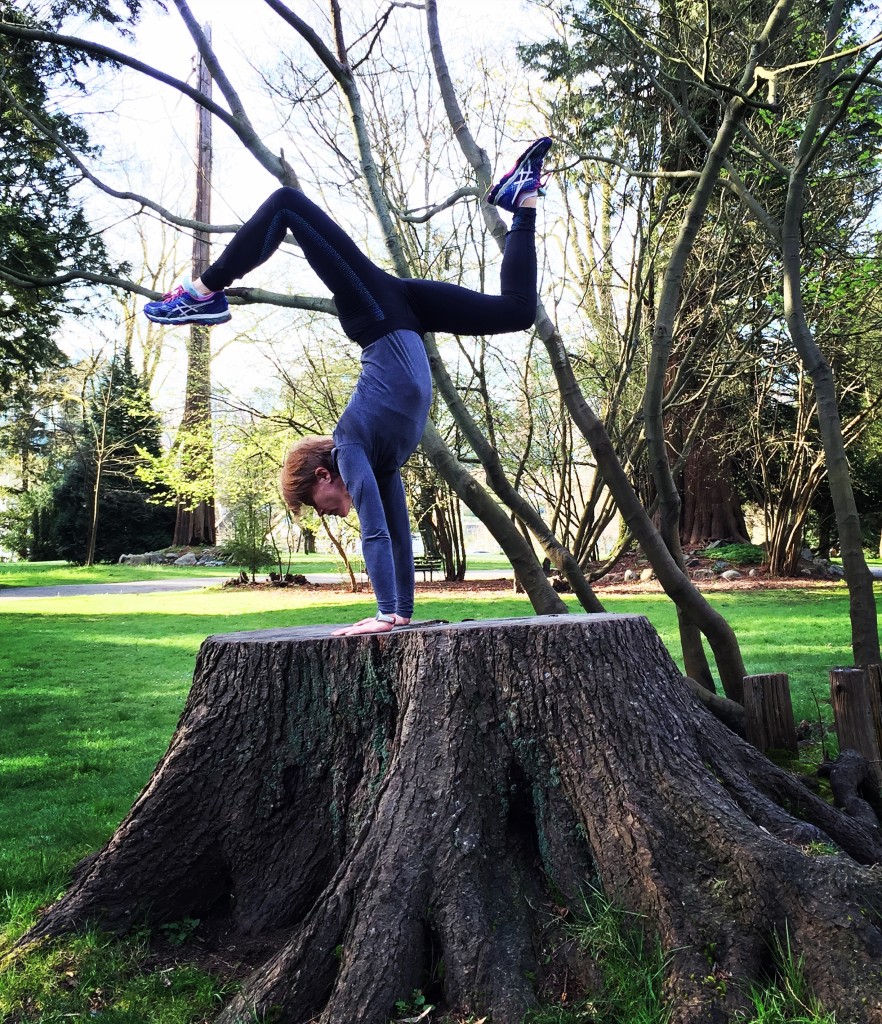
(613, 583)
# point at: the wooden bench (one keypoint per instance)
(427, 565)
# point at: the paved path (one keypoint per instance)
(86, 589)
(184, 583)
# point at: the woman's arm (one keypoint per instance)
(376, 545)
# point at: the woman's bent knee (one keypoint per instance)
(286, 198)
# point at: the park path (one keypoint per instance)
(183, 584)
(134, 587)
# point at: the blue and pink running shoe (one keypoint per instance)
(183, 307)
(524, 179)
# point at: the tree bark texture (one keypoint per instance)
(769, 712)
(856, 697)
(862, 603)
(376, 806)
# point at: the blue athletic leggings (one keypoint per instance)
(371, 302)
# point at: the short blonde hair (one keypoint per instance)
(298, 470)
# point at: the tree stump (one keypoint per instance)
(374, 807)
(769, 712)
(857, 709)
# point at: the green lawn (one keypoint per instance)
(91, 690)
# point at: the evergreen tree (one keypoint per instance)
(102, 509)
(43, 229)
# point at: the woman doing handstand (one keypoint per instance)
(382, 425)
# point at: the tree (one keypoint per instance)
(35, 448)
(411, 811)
(697, 70)
(44, 232)
(195, 524)
(252, 450)
(102, 508)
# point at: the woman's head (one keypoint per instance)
(310, 478)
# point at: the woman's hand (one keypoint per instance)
(372, 625)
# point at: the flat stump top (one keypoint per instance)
(296, 634)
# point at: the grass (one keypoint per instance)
(631, 967)
(91, 976)
(740, 554)
(91, 689)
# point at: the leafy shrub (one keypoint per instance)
(740, 554)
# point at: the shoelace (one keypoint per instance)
(176, 294)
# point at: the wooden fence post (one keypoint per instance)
(770, 724)
(856, 695)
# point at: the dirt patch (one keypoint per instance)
(753, 577)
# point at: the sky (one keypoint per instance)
(147, 131)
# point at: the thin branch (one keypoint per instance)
(761, 150)
(425, 213)
(816, 61)
(244, 132)
(238, 296)
(46, 130)
(251, 296)
(312, 37)
(836, 119)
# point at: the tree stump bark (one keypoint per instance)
(857, 710)
(378, 806)
(769, 712)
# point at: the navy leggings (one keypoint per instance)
(371, 302)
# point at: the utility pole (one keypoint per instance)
(195, 524)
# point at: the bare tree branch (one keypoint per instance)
(243, 131)
(428, 212)
(143, 201)
(237, 296)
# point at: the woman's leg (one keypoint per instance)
(356, 282)
(456, 310)
(368, 299)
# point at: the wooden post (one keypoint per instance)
(770, 724)
(856, 695)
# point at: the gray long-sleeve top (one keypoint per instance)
(378, 432)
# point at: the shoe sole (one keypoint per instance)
(543, 145)
(206, 320)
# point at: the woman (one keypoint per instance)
(387, 316)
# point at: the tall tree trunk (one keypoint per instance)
(94, 505)
(663, 332)
(371, 807)
(196, 524)
(528, 571)
(862, 602)
(711, 506)
(677, 585)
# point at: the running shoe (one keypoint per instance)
(180, 307)
(524, 177)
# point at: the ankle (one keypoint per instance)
(196, 288)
